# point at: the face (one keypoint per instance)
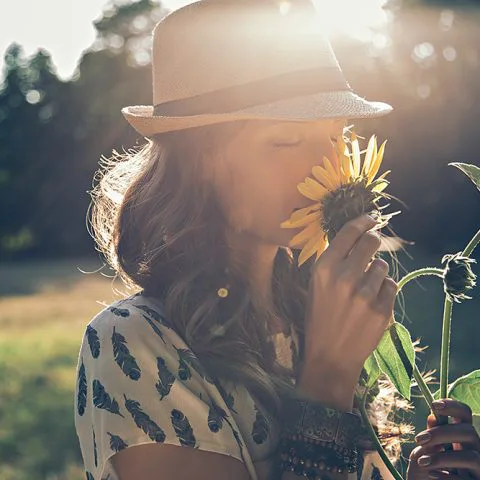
(257, 171)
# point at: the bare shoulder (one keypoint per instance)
(155, 461)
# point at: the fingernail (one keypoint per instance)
(425, 460)
(434, 475)
(423, 437)
(438, 404)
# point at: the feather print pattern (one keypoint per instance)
(165, 378)
(216, 416)
(376, 475)
(122, 355)
(81, 390)
(227, 397)
(95, 454)
(139, 389)
(182, 428)
(360, 463)
(143, 421)
(101, 399)
(260, 428)
(116, 443)
(155, 315)
(189, 360)
(120, 312)
(93, 341)
(154, 327)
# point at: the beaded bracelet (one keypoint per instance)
(318, 439)
(310, 458)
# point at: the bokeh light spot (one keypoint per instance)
(449, 53)
(33, 97)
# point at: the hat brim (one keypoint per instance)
(325, 105)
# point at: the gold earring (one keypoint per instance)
(223, 292)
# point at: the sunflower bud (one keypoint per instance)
(458, 276)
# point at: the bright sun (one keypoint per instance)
(352, 17)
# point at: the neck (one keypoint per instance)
(256, 259)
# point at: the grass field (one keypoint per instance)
(44, 308)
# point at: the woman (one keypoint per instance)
(229, 356)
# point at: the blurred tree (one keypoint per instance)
(53, 133)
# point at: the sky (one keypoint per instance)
(65, 29)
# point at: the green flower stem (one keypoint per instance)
(427, 395)
(447, 326)
(445, 349)
(471, 245)
(419, 273)
(375, 439)
(438, 272)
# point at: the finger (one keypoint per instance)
(453, 408)
(467, 459)
(387, 296)
(440, 475)
(420, 450)
(463, 433)
(372, 280)
(346, 238)
(362, 253)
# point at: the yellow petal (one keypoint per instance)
(342, 149)
(309, 192)
(301, 222)
(355, 155)
(304, 211)
(380, 187)
(322, 176)
(331, 170)
(305, 234)
(347, 172)
(310, 248)
(317, 187)
(376, 165)
(371, 149)
(321, 247)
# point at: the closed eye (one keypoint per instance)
(287, 144)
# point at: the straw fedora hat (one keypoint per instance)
(222, 60)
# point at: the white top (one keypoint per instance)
(138, 382)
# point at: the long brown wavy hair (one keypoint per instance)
(160, 226)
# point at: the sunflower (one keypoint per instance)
(340, 190)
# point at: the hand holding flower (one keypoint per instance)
(430, 460)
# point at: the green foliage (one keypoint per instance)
(53, 133)
(372, 371)
(395, 356)
(465, 389)
(471, 171)
(37, 415)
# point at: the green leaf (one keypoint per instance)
(472, 172)
(476, 423)
(372, 369)
(396, 356)
(465, 389)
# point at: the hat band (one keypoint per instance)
(268, 90)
